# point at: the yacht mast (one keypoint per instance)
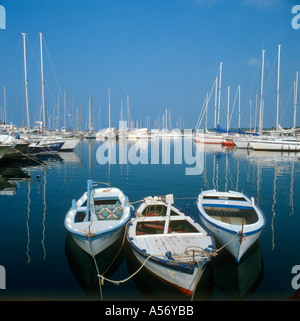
(4, 93)
(228, 108)
(109, 122)
(295, 101)
(43, 86)
(26, 81)
(261, 94)
(220, 82)
(216, 102)
(277, 108)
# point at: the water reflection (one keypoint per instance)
(32, 188)
(84, 268)
(238, 281)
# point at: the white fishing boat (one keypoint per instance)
(171, 245)
(98, 218)
(233, 218)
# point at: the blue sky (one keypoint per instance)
(162, 53)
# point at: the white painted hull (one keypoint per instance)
(92, 233)
(235, 247)
(99, 242)
(209, 139)
(278, 145)
(242, 143)
(237, 235)
(69, 144)
(183, 282)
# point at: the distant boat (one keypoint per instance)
(277, 144)
(110, 133)
(233, 219)
(172, 245)
(66, 134)
(69, 144)
(242, 142)
(90, 135)
(209, 138)
(98, 218)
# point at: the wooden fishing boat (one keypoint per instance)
(98, 218)
(233, 218)
(171, 245)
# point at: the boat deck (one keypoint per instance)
(180, 245)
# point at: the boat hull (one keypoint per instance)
(43, 148)
(237, 245)
(242, 143)
(233, 219)
(276, 145)
(4, 150)
(209, 139)
(69, 145)
(183, 282)
(99, 242)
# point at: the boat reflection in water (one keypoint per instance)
(238, 280)
(84, 268)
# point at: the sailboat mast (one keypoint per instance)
(277, 108)
(295, 101)
(228, 108)
(250, 113)
(109, 121)
(90, 114)
(206, 107)
(261, 94)
(43, 85)
(26, 81)
(65, 107)
(58, 116)
(4, 93)
(220, 82)
(216, 102)
(240, 107)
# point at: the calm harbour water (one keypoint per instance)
(42, 262)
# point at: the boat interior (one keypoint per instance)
(157, 227)
(232, 215)
(157, 210)
(105, 209)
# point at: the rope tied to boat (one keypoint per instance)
(101, 277)
(124, 280)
